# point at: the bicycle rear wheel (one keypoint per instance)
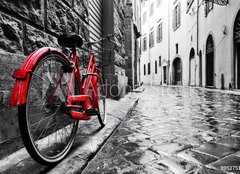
(47, 131)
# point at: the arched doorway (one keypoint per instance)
(200, 68)
(177, 71)
(237, 51)
(210, 62)
(192, 68)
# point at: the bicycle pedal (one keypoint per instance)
(91, 112)
(79, 115)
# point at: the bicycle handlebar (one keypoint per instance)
(102, 39)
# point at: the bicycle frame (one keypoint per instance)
(89, 83)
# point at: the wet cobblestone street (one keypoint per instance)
(175, 130)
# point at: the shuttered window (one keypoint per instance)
(177, 16)
(208, 7)
(95, 27)
(144, 67)
(159, 32)
(151, 9)
(159, 2)
(160, 60)
(151, 39)
(156, 67)
(145, 43)
(149, 69)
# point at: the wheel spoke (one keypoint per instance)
(39, 77)
(50, 130)
(43, 119)
(39, 90)
(45, 128)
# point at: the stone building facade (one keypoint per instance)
(132, 46)
(24, 27)
(129, 46)
(114, 55)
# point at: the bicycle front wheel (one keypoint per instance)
(47, 131)
(101, 104)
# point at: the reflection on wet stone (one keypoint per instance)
(205, 170)
(175, 130)
(196, 157)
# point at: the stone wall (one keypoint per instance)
(115, 59)
(26, 25)
(129, 45)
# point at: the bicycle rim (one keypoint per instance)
(48, 132)
(101, 105)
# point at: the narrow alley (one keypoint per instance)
(175, 130)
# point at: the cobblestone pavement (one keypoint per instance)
(88, 140)
(175, 130)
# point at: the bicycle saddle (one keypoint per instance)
(70, 40)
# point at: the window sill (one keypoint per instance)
(176, 27)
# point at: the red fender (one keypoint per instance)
(22, 75)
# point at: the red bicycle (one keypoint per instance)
(52, 97)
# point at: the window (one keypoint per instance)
(177, 48)
(144, 69)
(145, 43)
(151, 9)
(144, 17)
(208, 7)
(151, 39)
(189, 3)
(160, 60)
(149, 69)
(159, 32)
(143, 2)
(155, 67)
(177, 16)
(159, 2)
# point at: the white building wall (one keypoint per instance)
(213, 23)
(145, 32)
(178, 36)
(136, 53)
(160, 48)
(186, 36)
(192, 63)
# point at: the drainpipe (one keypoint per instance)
(197, 41)
(168, 62)
(140, 43)
(198, 27)
(148, 45)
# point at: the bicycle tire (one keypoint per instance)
(101, 105)
(52, 116)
